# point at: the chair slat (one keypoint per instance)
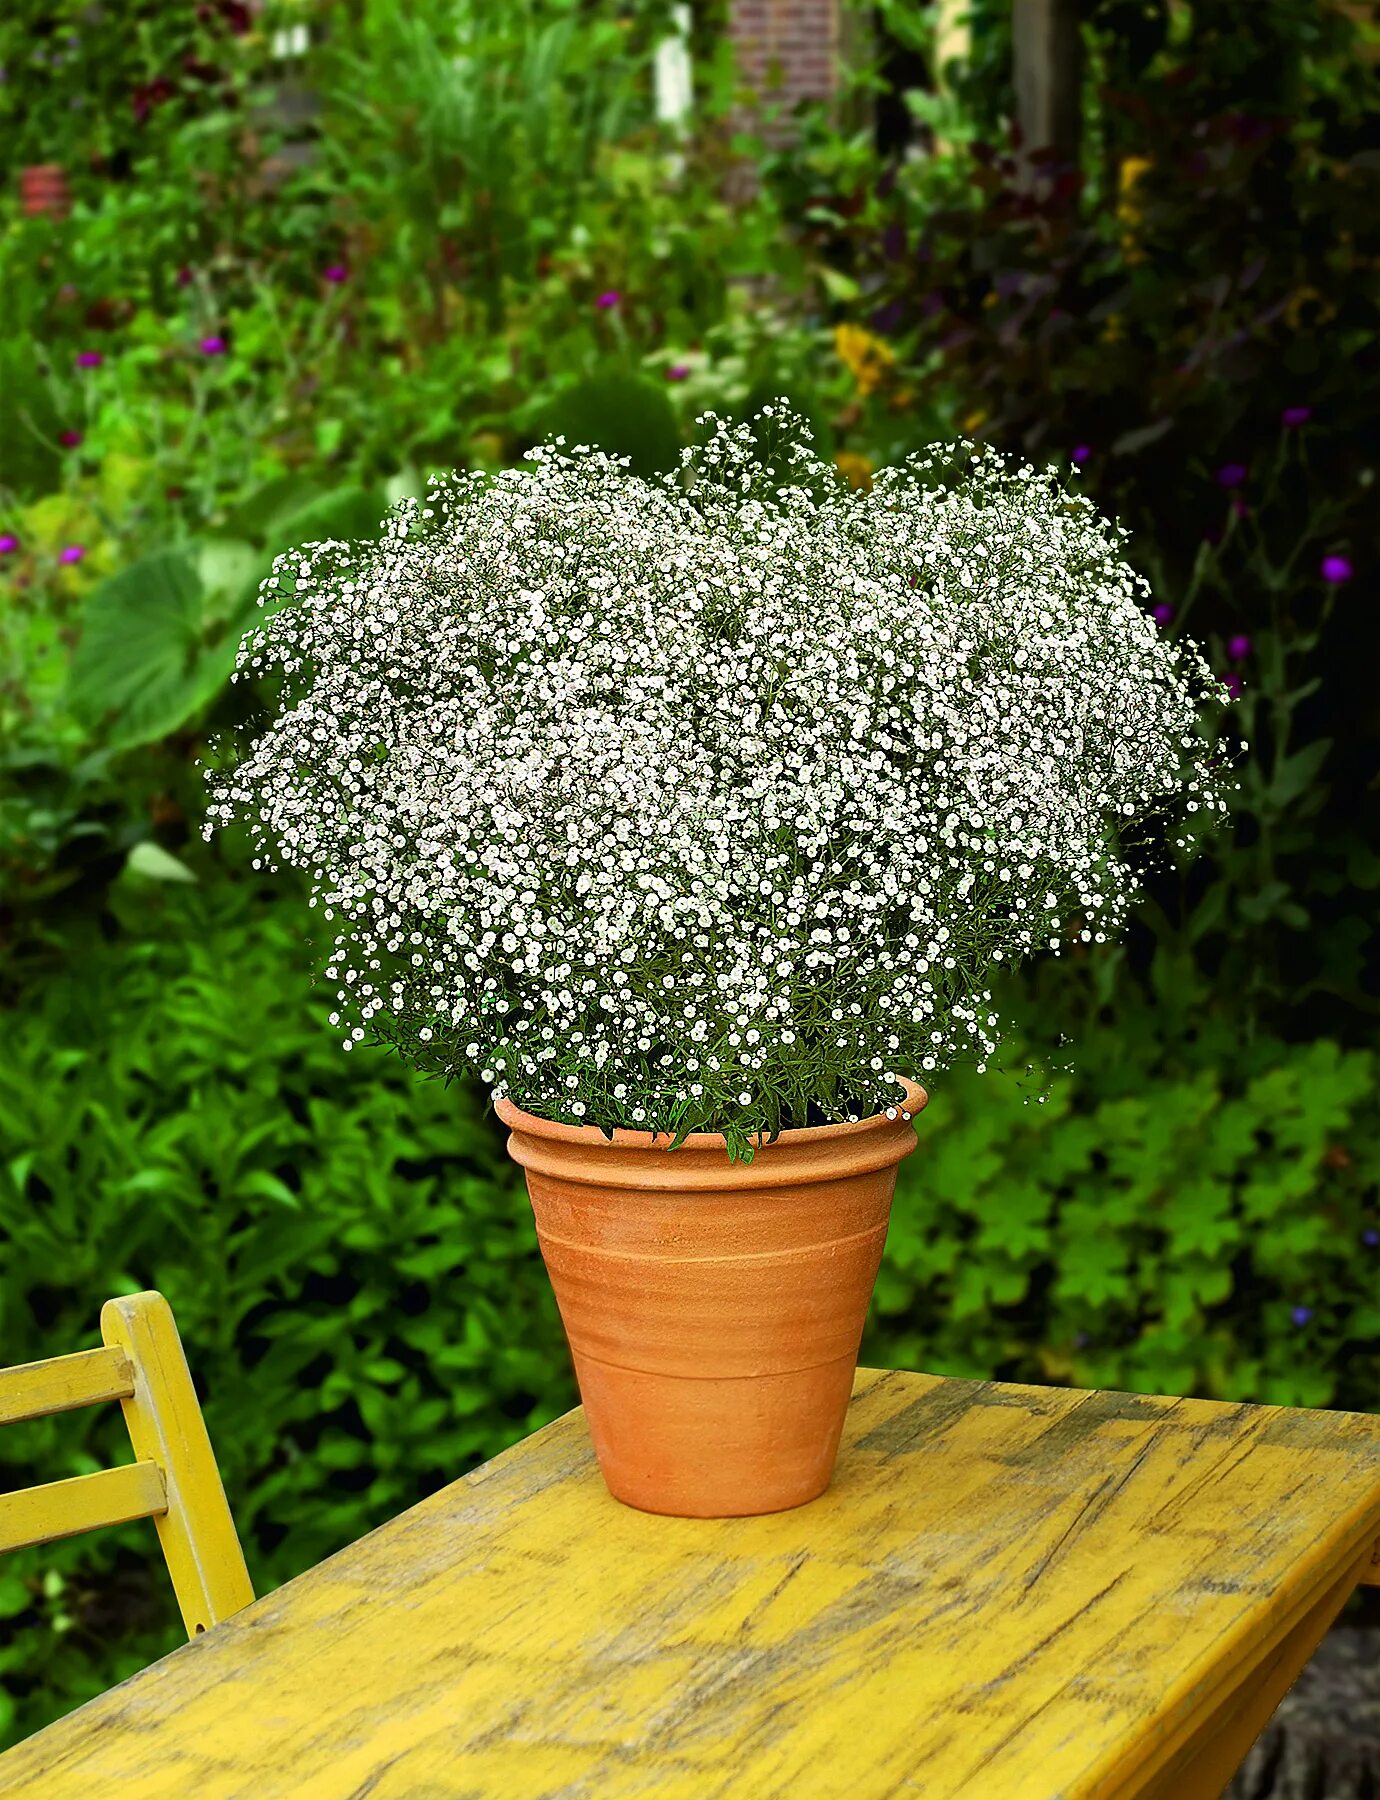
(62, 1508)
(34, 1390)
(165, 1425)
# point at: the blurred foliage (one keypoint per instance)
(238, 341)
(1192, 319)
(95, 87)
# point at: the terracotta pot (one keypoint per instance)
(714, 1309)
(43, 189)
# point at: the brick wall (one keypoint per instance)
(797, 40)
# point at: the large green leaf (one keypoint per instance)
(158, 639)
(260, 514)
(292, 509)
(230, 572)
(146, 661)
(349, 513)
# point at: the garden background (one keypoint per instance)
(309, 253)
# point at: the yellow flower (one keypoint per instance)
(1128, 208)
(1132, 171)
(856, 469)
(867, 357)
(1114, 330)
(1299, 299)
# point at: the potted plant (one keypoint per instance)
(695, 815)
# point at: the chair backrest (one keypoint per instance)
(173, 1481)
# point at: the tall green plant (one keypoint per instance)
(472, 136)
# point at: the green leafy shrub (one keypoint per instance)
(1206, 1223)
(347, 1250)
(621, 413)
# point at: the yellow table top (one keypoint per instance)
(1009, 1593)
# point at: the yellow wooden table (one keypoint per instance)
(1009, 1593)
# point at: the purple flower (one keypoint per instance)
(1370, 1239)
(72, 554)
(69, 439)
(678, 372)
(1232, 683)
(90, 359)
(1239, 648)
(8, 543)
(1296, 415)
(184, 277)
(1162, 614)
(1080, 453)
(336, 272)
(213, 346)
(1336, 568)
(1301, 1315)
(1231, 475)
(611, 298)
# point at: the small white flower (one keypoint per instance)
(603, 784)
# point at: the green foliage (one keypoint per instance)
(348, 1251)
(1210, 1228)
(479, 147)
(93, 87)
(29, 453)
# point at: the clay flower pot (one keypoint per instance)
(714, 1309)
(43, 189)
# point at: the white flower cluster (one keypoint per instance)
(713, 802)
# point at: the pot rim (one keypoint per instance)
(916, 1098)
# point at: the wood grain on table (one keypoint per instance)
(1009, 1593)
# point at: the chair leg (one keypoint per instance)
(1204, 1767)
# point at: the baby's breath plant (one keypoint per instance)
(714, 802)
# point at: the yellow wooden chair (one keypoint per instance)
(174, 1480)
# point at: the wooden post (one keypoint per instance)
(1047, 52)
